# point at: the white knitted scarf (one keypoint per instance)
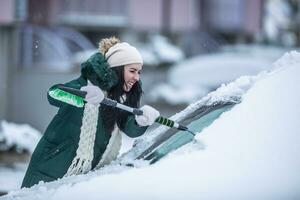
(82, 163)
(112, 150)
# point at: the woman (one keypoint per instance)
(82, 137)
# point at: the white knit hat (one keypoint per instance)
(123, 54)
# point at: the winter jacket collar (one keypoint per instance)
(97, 70)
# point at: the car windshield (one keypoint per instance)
(162, 140)
(174, 139)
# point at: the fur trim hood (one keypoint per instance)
(97, 70)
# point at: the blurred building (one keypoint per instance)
(229, 20)
(39, 40)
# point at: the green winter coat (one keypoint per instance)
(57, 147)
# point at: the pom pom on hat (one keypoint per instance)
(106, 43)
(119, 53)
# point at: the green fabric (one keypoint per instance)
(57, 147)
(97, 70)
(66, 97)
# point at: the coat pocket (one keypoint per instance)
(57, 160)
(58, 149)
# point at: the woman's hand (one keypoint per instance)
(150, 114)
(94, 94)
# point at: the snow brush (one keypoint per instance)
(115, 104)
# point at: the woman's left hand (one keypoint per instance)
(149, 116)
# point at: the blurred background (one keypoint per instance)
(189, 47)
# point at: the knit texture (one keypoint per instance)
(82, 163)
(122, 54)
(112, 149)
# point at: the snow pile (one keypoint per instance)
(278, 22)
(291, 58)
(160, 50)
(252, 152)
(21, 136)
(148, 55)
(165, 51)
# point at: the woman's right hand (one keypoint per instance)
(150, 114)
(94, 94)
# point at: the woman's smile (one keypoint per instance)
(130, 83)
(131, 75)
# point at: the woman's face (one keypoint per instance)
(131, 75)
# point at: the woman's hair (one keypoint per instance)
(111, 115)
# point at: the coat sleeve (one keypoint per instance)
(132, 129)
(55, 102)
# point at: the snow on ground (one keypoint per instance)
(11, 176)
(23, 136)
(252, 152)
